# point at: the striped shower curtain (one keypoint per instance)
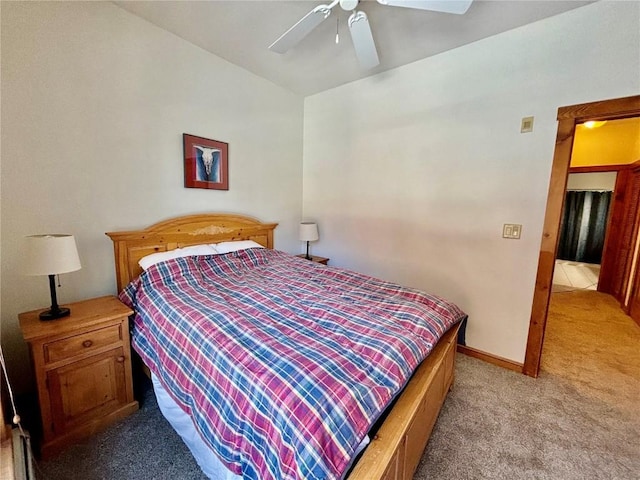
(583, 227)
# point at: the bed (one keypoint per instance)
(398, 444)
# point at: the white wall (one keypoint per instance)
(411, 173)
(592, 181)
(94, 105)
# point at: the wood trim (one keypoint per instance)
(568, 117)
(549, 245)
(633, 309)
(490, 358)
(610, 263)
(598, 168)
(601, 110)
(131, 246)
(631, 221)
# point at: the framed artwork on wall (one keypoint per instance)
(206, 163)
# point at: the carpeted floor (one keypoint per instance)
(592, 344)
(574, 422)
(579, 420)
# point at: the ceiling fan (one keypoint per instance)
(358, 23)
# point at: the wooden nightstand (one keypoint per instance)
(322, 260)
(83, 369)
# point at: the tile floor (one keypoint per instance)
(575, 276)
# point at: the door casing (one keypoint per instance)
(568, 118)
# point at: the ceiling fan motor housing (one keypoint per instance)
(348, 4)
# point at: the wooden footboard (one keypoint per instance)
(396, 450)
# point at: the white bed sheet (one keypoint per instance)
(182, 424)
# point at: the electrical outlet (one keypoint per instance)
(511, 230)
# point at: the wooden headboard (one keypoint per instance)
(130, 247)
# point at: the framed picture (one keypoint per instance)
(206, 163)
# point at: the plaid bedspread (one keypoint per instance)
(283, 364)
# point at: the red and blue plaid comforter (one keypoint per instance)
(283, 364)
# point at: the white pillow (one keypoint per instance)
(226, 247)
(147, 261)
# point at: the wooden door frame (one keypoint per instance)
(634, 277)
(609, 264)
(629, 286)
(568, 118)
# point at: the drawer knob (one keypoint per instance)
(120, 359)
(87, 343)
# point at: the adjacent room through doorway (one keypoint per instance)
(600, 151)
(583, 230)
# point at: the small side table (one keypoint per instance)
(321, 260)
(83, 369)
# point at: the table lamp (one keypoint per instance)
(51, 255)
(308, 233)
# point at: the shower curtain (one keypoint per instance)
(583, 227)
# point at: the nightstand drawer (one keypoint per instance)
(86, 342)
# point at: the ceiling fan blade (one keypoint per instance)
(447, 6)
(363, 40)
(305, 25)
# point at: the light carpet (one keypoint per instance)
(579, 420)
(593, 345)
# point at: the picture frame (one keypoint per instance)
(206, 163)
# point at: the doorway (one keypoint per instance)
(583, 230)
(601, 152)
(568, 118)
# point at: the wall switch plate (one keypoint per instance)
(527, 125)
(511, 230)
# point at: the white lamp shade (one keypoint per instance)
(308, 232)
(50, 254)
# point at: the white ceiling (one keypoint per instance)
(241, 31)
